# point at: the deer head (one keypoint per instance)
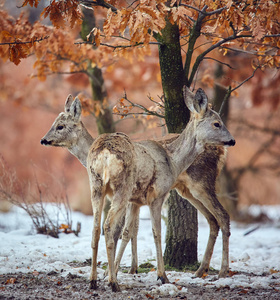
(66, 127)
(210, 128)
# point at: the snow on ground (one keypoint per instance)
(22, 250)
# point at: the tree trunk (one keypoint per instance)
(104, 120)
(181, 236)
(181, 239)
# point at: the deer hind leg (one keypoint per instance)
(155, 211)
(97, 205)
(134, 256)
(114, 217)
(129, 233)
(213, 225)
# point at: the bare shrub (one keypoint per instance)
(50, 212)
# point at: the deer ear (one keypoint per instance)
(68, 103)
(76, 109)
(200, 101)
(188, 98)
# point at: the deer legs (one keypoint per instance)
(214, 230)
(115, 214)
(97, 210)
(155, 211)
(217, 217)
(130, 233)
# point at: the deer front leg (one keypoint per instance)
(130, 233)
(214, 230)
(214, 227)
(226, 234)
(155, 211)
(223, 220)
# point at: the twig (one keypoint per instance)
(251, 230)
(247, 79)
(27, 42)
(203, 11)
(230, 90)
(143, 108)
(101, 3)
(220, 62)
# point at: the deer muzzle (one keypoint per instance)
(230, 143)
(45, 142)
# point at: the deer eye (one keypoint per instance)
(59, 127)
(217, 124)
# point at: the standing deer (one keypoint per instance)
(143, 173)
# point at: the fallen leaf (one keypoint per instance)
(204, 275)
(12, 280)
(245, 291)
(232, 273)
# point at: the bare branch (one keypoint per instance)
(115, 46)
(132, 105)
(101, 3)
(247, 79)
(17, 42)
(203, 11)
(220, 62)
(230, 90)
(258, 128)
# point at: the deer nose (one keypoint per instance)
(45, 142)
(230, 143)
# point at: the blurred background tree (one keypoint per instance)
(218, 45)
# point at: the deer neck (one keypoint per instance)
(81, 148)
(184, 150)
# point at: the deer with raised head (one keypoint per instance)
(133, 174)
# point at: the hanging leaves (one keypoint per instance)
(31, 3)
(59, 11)
(129, 30)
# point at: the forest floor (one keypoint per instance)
(53, 286)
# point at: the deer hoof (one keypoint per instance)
(93, 285)
(223, 273)
(201, 272)
(133, 271)
(163, 279)
(115, 287)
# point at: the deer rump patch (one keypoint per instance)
(108, 166)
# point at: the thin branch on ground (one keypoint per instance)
(34, 202)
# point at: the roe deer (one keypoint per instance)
(135, 174)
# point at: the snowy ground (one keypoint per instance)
(258, 253)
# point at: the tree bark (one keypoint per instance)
(181, 238)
